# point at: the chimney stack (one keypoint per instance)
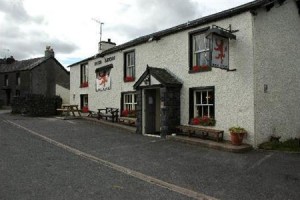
(103, 45)
(49, 52)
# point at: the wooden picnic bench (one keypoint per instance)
(108, 113)
(66, 109)
(204, 132)
(127, 120)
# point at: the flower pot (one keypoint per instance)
(236, 138)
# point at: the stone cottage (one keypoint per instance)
(239, 67)
(44, 75)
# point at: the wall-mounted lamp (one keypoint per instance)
(147, 80)
(74, 95)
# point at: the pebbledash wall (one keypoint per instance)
(277, 67)
(240, 97)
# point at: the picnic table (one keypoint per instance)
(69, 108)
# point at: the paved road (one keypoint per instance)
(49, 158)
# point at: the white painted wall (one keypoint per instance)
(277, 64)
(234, 91)
(64, 93)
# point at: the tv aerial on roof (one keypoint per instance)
(101, 24)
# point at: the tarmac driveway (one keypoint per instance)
(215, 174)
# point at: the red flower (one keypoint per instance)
(195, 121)
(129, 79)
(85, 109)
(125, 113)
(84, 84)
(196, 68)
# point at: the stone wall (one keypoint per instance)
(170, 112)
(139, 114)
(36, 105)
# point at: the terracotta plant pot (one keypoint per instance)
(236, 138)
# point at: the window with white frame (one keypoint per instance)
(84, 75)
(203, 103)
(129, 101)
(201, 53)
(129, 65)
(18, 79)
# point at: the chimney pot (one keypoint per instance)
(49, 52)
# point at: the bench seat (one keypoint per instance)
(108, 113)
(204, 132)
(128, 120)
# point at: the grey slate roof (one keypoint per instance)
(22, 65)
(251, 6)
(162, 75)
(26, 65)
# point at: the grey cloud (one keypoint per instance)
(157, 15)
(21, 38)
(35, 46)
(131, 31)
(15, 12)
(166, 13)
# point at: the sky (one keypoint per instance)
(68, 26)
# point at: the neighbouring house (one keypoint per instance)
(44, 75)
(239, 67)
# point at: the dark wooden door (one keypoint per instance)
(8, 97)
(150, 114)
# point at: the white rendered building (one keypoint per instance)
(240, 67)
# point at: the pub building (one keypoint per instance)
(238, 67)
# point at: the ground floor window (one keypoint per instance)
(128, 103)
(202, 103)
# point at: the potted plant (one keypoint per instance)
(237, 134)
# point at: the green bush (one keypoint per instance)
(292, 145)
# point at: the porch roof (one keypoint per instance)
(162, 75)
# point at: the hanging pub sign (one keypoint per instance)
(103, 78)
(219, 38)
(220, 53)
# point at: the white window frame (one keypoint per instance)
(129, 101)
(203, 104)
(130, 64)
(198, 50)
(18, 77)
(84, 73)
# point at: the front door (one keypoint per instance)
(150, 112)
(8, 97)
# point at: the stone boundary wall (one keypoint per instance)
(36, 105)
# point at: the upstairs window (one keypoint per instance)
(18, 79)
(6, 80)
(209, 47)
(84, 82)
(201, 50)
(129, 69)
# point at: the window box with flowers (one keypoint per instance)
(84, 85)
(128, 117)
(202, 68)
(203, 121)
(129, 113)
(129, 79)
